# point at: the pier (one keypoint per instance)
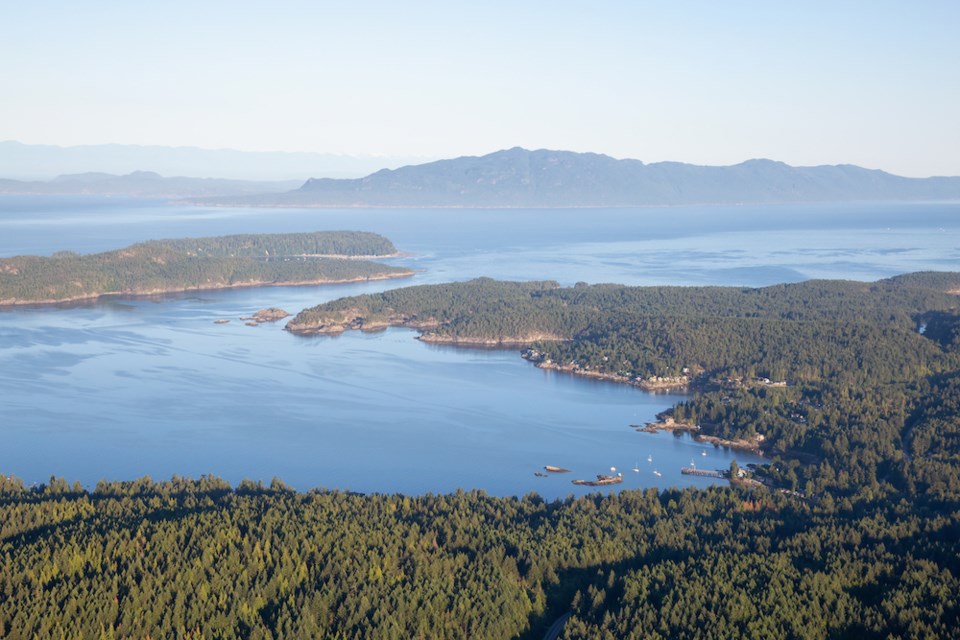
(704, 473)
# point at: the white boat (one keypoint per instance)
(649, 458)
(657, 473)
(636, 468)
(703, 453)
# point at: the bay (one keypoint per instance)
(119, 388)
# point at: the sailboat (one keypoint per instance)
(649, 458)
(636, 468)
(657, 473)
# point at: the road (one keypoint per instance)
(554, 631)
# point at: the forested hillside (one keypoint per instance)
(197, 263)
(485, 309)
(344, 244)
(195, 559)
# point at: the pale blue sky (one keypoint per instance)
(871, 83)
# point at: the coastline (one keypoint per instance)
(667, 423)
(664, 422)
(512, 342)
(338, 256)
(212, 287)
(357, 323)
(659, 384)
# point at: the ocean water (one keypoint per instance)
(120, 388)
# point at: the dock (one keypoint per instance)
(703, 473)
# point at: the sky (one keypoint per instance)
(872, 83)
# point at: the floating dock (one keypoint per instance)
(703, 473)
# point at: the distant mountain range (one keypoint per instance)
(42, 162)
(143, 184)
(522, 178)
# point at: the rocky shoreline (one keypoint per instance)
(504, 342)
(667, 423)
(351, 321)
(653, 383)
(263, 316)
(340, 256)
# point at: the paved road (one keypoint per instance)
(554, 631)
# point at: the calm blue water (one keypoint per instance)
(122, 388)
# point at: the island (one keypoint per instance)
(168, 266)
(272, 314)
(602, 480)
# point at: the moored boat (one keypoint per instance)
(553, 469)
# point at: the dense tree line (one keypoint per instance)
(476, 306)
(453, 306)
(634, 345)
(202, 263)
(267, 245)
(197, 559)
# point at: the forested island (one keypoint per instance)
(164, 266)
(853, 533)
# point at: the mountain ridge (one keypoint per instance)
(142, 184)
(32, 162)
(519, 177)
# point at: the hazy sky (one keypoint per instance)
(868, 82)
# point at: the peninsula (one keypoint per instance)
(772, 368)
(167, 266)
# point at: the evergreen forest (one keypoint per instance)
(199, 559)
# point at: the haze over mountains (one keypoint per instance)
(33, 162)
(522, 178)
(518, 178)
(143, 184)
